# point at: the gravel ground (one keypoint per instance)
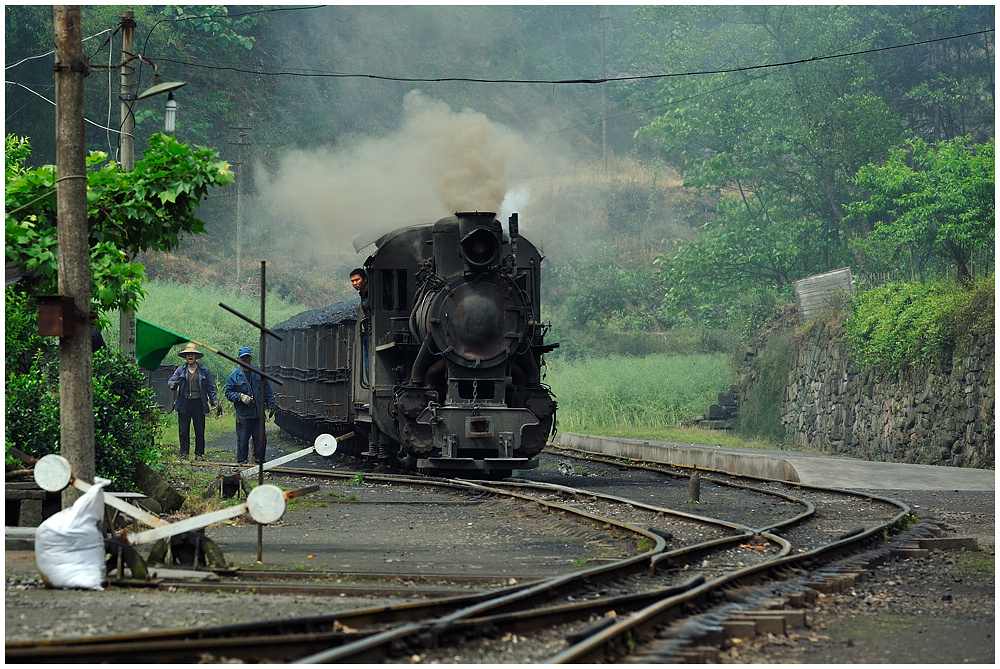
(377, 533)
(916, 611)
(934, 610)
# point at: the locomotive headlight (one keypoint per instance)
(480, 249)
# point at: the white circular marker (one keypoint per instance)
(53, 473)
(326, 445)
(266, 504)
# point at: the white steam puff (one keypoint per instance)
(438, 163)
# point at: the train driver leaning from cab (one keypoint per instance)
(359, 281)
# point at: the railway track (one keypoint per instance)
(692, 559)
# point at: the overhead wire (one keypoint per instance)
(49, 53)
(51, 102)
(738, 83)
(601, 80)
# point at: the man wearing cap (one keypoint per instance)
(243, 392)
(195, 395)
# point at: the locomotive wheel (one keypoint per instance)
(406, 461)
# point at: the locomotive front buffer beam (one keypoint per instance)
(482, 439)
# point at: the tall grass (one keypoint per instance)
(623, 392)
(193, 311)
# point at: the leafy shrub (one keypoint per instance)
(21, 338)
(899, 325)
(748, 313)
(126, 422)
(126, 419)
(31, 411)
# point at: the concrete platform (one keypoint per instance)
(820, 470)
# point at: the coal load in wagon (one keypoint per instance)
(338, 312)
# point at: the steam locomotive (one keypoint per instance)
(445, 374)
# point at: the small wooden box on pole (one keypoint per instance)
(57, 316)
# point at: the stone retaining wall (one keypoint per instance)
(921, 416)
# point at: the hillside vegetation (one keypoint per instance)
(193, 311)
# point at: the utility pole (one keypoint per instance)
(242, 131)
(604, 93)
(126, 320)
(76, 389)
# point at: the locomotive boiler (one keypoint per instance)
(450, 379)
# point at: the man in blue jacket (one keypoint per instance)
(243, 389)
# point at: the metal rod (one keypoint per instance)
(261, 420)
(251, 321)
(277, 462)
(123, 506)
(238, 362)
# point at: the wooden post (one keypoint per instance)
(76, 391)
(694, 488)
(126, 317)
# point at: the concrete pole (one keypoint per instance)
(239, 217)
(126, 320)
(604, 93)
(242, 131)
(127, 93)
(76, 390)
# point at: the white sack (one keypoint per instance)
(69, 547)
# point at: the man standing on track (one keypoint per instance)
(243, 389)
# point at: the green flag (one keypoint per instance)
(152, 343)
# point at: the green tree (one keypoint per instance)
(781, 145)
(145, 208)
(126, 419)
(748, 246)
(929, 202)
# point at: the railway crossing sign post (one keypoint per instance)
(265, 504)
(260, 441)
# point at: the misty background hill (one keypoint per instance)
(344, 121)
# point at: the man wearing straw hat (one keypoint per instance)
(195, 395)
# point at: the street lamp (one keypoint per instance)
(167, 87)
(170, 115)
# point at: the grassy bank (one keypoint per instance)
(639, 397)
